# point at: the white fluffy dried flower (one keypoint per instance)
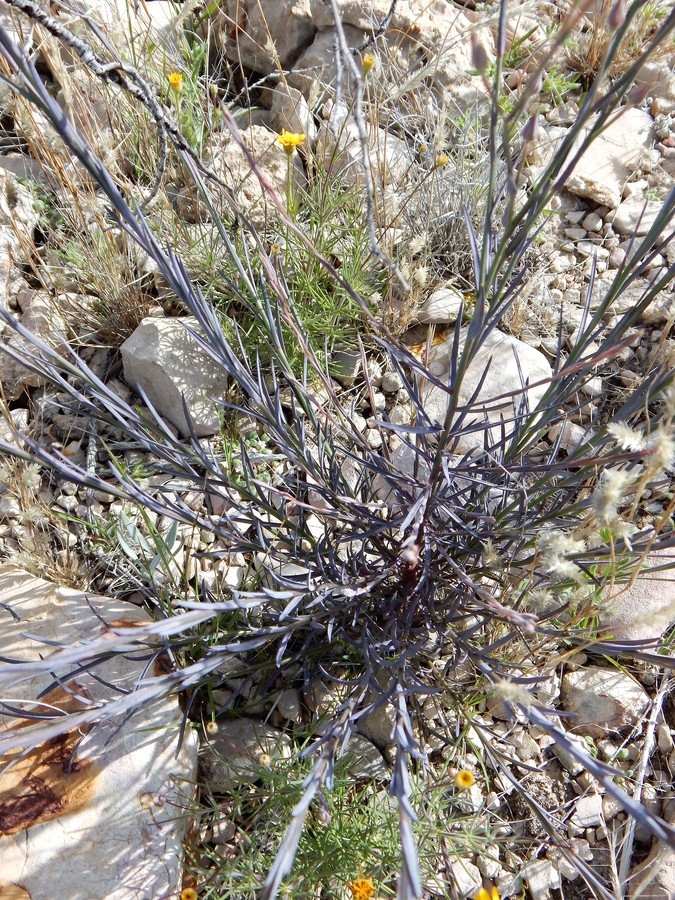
(540, 600)
(421, 275)
(512, 693)
(556, 548)
(417, 244)
(31, 477)
(611, 492)
(625, 436)
(489, 556)
(661, 447)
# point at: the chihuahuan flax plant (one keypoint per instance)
(449, 558)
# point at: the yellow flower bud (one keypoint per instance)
(367, 62)
(175, 82)
(464, 780)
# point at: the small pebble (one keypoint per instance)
(592, 222)
(391, 382)
(664, 738)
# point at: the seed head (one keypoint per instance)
(556, 547)
(626, 437)
(661, 447)
(417, 244)
(421, 275)
(611, 492)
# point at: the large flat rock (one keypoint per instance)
(164, 361)
(504, 374)
(604, 167)
(645, 609)
(99, 812)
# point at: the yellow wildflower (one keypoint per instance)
(289, 141)
(367, 62)
(483, 894)
(175, 82)
(188, 894)
(441, 160)
(464, 780)
(362, 889)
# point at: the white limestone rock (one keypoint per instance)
(364, 760)
(290, 111)
(466, 876)
(378, 724)
(229, 161)
(420, 32)
(18, 219)
(238, 751)
(542, 877)
(263, 37)
(164, 360)
(389, 156)
(642, 611)
(363, 14)
(441, 307)
(147, 27)
(315, 66)
(91, 813)
(654, 879)
(512, 372)
(44, 317)
(635, 215)
(659, 77)
(588, 811)
(602, 170)
(602, 700)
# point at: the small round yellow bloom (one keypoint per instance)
(423, 148)
(367, 62)
(212, 727)
(484, 894)
(441, 160)
(464, 780)
(289, 141)
(175, 82)
(188, 894)
(362, 889)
